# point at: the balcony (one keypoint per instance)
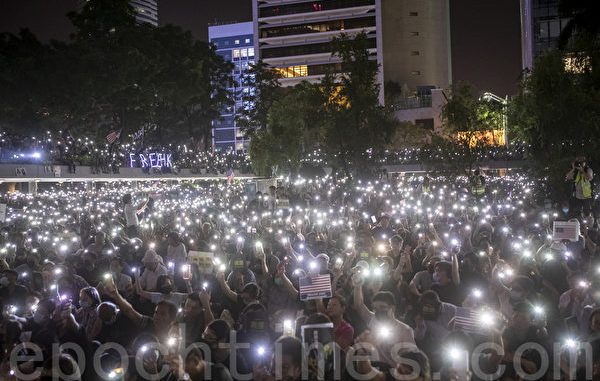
(423, 101)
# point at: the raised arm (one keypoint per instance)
(124, 306)
(359, 303)
(229, 293)
(205, 300)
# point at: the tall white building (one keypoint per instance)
(235, 43)
(409, 39)
(146, 11)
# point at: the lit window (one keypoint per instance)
(250, 52)
(244, 53)
(237, 42)
(293, 71)
(247, 41)
(236, 53)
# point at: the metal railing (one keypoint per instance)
(422, 101)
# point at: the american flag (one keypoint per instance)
(315, 287)
(229, 176)
(467, 320)
(113, 136)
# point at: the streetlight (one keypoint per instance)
(487, 96)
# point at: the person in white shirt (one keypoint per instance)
(176, 251)
(382, 323)
(131, 215)
(153, 268)
(122, 281)
(164, 291)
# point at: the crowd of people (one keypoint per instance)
(108, 158)
(410, 278)
(102, 157)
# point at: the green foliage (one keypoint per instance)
(113, 74)
(291, 131)
(256, 104)
(340, 115)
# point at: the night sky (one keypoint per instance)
(486, 48)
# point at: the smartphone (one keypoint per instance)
(186, 271)
(459, 363)
(374, 219)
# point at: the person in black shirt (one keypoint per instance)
(12, 293)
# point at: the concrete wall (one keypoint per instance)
(432, 23)
(434, 112)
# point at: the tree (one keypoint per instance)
(471, 120)
(293, 130)
(265, 89)
(114, 74)
(355, 121)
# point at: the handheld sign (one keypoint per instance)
(315, 287)
(565, 230)
(203, 259)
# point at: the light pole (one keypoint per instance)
(504, 102)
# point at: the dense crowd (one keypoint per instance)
(431, 278)
(64, 149)
(67, 150)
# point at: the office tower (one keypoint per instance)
(541, 25)
(409, 39)
(146, 11)
(235, 43)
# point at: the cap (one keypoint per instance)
(150, 257)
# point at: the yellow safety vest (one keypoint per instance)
(586, 185)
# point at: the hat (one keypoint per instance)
(323, 257)
(150, 257)
(558, 246)
(362, 264)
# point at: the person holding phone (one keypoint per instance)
(581, 176)
(131, 215)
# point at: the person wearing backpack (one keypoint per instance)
(581, 175)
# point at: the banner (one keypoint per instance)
(203, 259)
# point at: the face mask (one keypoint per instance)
(85, 303)
(516, 295)
(565, 210)
(381, 315)
(111, 321)
(436, 278)
(166, 289)
(4, 281)
(38, 317)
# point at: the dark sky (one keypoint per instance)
(486, 44)
(46, 18)
(485, 33)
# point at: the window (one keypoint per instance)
(414, 34)
(244, 53)
(237, 42)
(236, 53)
(415, 72)
(247, 41)
(293, 71)
(413, 14)
(415, 53)
(250, 52)
(554, 28)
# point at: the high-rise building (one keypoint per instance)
(146, 11)
(409, 39)
(541, 25)
(235, 43)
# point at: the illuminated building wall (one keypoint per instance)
(235, 43)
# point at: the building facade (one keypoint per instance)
(409, 39)
(541, 25)
(146, 11)
(235, 43)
